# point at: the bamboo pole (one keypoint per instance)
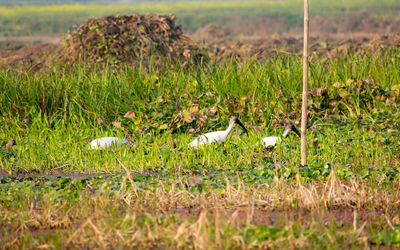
(305, 88)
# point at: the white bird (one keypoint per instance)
(217, 136)
(271, 141)
(107, 143)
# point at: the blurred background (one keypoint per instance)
(260, 25)
(49, 20)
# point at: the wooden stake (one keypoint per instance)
(305, 88)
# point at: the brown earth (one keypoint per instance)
(52, 39)
(25, 55)
(35, 56)
(269, 46)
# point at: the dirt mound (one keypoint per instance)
(131, 39)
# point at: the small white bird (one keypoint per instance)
(218, 136)
(271, 141)
(107, 143)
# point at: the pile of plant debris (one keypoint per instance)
(132, 39)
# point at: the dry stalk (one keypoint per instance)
(108, 222)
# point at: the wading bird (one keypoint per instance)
(271, 141)
(107, 143)
(217, 136)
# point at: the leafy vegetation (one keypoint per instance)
(57, 110)
(232, 195)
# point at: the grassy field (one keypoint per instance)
(160, 193)
(28, 19)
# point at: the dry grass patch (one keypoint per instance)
(283, 214)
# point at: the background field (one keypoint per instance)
(29, 19)
(56, 193)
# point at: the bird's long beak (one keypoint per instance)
(294, 129)
(241, 125)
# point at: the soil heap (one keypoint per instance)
(131, 39)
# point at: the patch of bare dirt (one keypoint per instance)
(4, 173)
(52, 39)
(264, 47)
(29, 56)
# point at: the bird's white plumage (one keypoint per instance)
(217, 136)
(271, 141)
(208, 138)
(107, 143)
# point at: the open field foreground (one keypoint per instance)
(142, 78)
(160, 193)
(221, 212)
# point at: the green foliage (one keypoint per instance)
(51, 114)
(352, 153)
(390, 238)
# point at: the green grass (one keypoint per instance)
(353, 155)
(61, 107)
(29, 19)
